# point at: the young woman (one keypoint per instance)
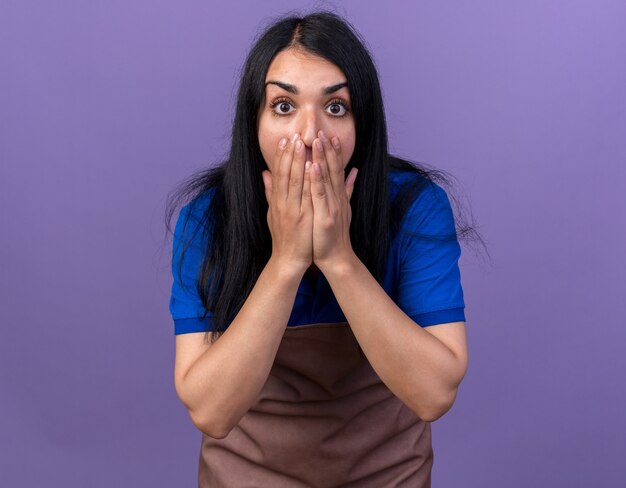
(329, 271)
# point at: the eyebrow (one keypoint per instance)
(292, 88)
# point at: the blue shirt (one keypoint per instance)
(422, 276)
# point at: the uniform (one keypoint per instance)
(324, 418)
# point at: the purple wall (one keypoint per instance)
(105, 106)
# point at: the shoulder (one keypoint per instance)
(402, 179)
(195, 222)
(421, 201)
(197, 211)
(426, 189)
(199, 206)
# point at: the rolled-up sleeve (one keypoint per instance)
(429, 281)
(185, 304)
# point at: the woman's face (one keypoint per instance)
(304, 93)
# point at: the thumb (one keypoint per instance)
(349, 185)
(267, 183)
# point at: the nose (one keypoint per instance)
(309, 127)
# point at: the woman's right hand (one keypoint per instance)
(290, 214)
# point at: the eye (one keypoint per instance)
(280, 106)
(336, 107)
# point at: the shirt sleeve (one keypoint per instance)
(185, 303)
(430, 290)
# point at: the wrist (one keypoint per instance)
(339, 266)
(286, 271)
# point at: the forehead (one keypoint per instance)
(303, 69)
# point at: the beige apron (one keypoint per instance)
(323, 419)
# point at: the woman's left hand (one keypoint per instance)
(331, 203)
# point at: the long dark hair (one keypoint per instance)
(237, 241)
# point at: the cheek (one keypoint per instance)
(268, 142)
(348, 154)
(267, 155)
(347, 148)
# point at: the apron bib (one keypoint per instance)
(323, 419)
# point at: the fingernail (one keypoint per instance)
(318, 145)
(282, 143)
(307, 165)
(322, 136)
(294, 138)
(298, 145)
(335, 141)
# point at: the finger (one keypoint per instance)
(318, 191)
(307, 203)
(281, 178)
(319, 157)
(350, 182)
(267, 183)
(334, 162)
(296, 177)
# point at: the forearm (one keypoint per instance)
(416, 366)
(223, 384)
